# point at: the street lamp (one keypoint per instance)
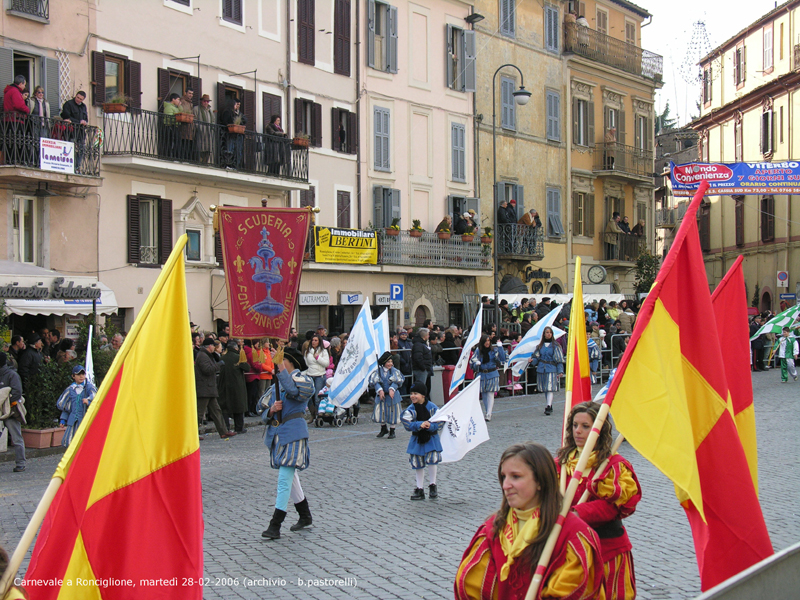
(521, 97)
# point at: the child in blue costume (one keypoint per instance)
(487, 360)
(386, 382)
(424, 447)
(549, 361)
(74, 402)
(287, 436)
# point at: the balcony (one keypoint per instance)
(623, 247)
(613, 52)
(626, 162)
(36, 10)
(665, 218)
(19, 149)
(219, 153)
(430, 251)
(520, 242)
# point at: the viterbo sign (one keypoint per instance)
(58, 291)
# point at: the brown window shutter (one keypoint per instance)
(341, 34)
(197, 85)
(220, 99)
(298, 116)
(99, 77)
(588, 215)
(271, 105)
(316, 125)
(343, 209)
(218, 250)
(164, 230)
(352, 133)
(335, 129)
(163, 88)
(739, 214)
(249, 109)
(134, 78)
(306, 31)
(575, 209)
(134, 230)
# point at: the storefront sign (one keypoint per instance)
(58, 291)
(351, 299)
(318, 299)
(382, 300)
(56, 155)
(345, 246)
(736, 178)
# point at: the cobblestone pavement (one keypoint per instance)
(368, 533)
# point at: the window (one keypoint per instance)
(171, 81)
(630, 33)
(704, 226)
(382, 149)
(271, 104)
(768, 219)
(641, 213)
(460, 59)
(382, 36)
(458, 136)
(739, 66)
(194, 245)
(149, 230)
(767, 133)
(341, 37)
(554, 227)
(582, 122)
(508, 191)
(613, 205)
(780, 41)
(386, 206)
(343, 209)
(183, 2)
(602, 21)
(508, 17)
(643, 139)
(553, 100)
(738, 145)
(308, 198)
(583, 214)
(614, 118)
(306, 31)
(739, 217)
(579, 8)
(227, 93)
(509, 107)
(308, 120)
(114, 75)
(458, 205)
(232, 11)
(768, 55)
(344, 131)
(552, 28)
(25, 229)
(707, 79)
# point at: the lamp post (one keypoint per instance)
(521, 97)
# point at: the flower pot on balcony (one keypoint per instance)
(392, 232)
(58, 435)
(184, 117)
(307, 256)
(301, 142)
(444, 235)
(235, 128)
(467, 237)
(415, 233)
(37, 438)
(114, 107)
(486, 239)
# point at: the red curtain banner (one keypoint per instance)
(262, 250)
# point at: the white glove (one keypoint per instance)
(499, 344)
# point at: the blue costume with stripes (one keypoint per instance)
(387, 411)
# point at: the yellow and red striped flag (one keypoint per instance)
(669, 398)
(579, 377)
(129, 512)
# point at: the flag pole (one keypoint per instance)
(614, 449)
(550, 545)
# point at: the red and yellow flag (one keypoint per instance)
(669, 399)
(730, 309)
(579, 377)
(127, 521)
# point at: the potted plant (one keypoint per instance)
(236, 126)
(117, 104)
(486, 238)
(444, 233)
(469, 234)
(301, 140)
(416, 229)
(394, 228)
(185, 116)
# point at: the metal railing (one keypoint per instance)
(613, 156)
(148, 255)
(624, 246)
(613, 52)
(665, 217)
(155, 135)
(518, 240)
(37, 8)
(20, 135)
(430, 251)
(681, 210)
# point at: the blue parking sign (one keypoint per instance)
(396, 292)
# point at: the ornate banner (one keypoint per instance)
(348, 246)
(262, 250)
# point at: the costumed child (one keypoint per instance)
(614, 492)
(386, 382)
(549, 361)
(786, 349)
(287, 436)
(74, 402)
(424, 447)
(487, 361)
(502, 557)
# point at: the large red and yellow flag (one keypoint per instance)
(669, 399)
(730, 309)
(127, 521)
(579, 377)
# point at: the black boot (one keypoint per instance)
(391, 434)
(384, 431)
(419, 494)
(432, 493)
(273, 532)
(548, 410)
(305, 516)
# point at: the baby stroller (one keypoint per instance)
(328, 412)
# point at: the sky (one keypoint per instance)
(671, 32)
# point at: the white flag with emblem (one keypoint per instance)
(521, 355)
(358, 360)
(380, 328)
(460, 372)
(463, 427)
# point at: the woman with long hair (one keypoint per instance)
(317, 359)
(614, 493)
(487, 361)
(502, 557)
(549, 360)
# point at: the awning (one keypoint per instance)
(31, 290)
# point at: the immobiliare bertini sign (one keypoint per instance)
(731, 179)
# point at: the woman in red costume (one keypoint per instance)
(501, 559)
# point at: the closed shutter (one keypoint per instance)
(767, 218)
(232, 11)
(98, 77)
(382, 155)
(475, 204)
(499, 194)
(553, 116)
(335, 120)
(249, 109)
(305, 31)
(519, 196)
(392, 204)
(7, 70)
(308, 317)
(739, 215)
(218, 250)
(299, 115)
(133, 71)
(638, 142)
(343, 209)
(51, 91)
(449, 58)
(621, 127)
(271, 105)
(391, 50)
(316, 125)
(578, 214)
(648, 134)
(163, 90)
(704, 227)
(470, 68)
(164, 231)
(352, 133)
(341, 37)
(221, 100)
(590, 124)
(576, 122)
(377, 208)
(458, 135)
(551, 28)
(744, 64)
(371, 33)
(588, 212)
(134, 230)
(507, 103)
(197, 86)
(308, 198)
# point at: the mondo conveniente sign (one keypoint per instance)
(736, 178)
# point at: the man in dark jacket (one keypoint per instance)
(75, 111)
(233, 386)
(422, 359)
(403, 360)
(543, 307)
(15, 351)
(205, 380)
(757, 345)
(9, 378)
(31, 360)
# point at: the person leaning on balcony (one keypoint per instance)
(530, 218)
(38, 105)
(203, 133)
(234, 141)
(446, 224)
(625, 226)
(571, 29)
(609, 148)
(171, 141)
(638, 229)
(613, 231)
(15, 114)
(187, 129)
(583, 31)
(275, 150)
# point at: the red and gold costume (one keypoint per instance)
(612, 497)
(489, 570)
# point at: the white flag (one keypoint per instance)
(463, 426)
(527, 346)
(89, 362)
(460, 372)
(358, 360)
(380, 328)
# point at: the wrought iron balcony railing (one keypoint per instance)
(613, 52)
(20, 135)
(627, 160)
(148, 255)
(623, 246)
(665, 217)
(35, 8)
(430, 251)
(155, 135)
(519, 241)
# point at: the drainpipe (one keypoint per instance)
(288, 91)
(568, 195)
(358, 110)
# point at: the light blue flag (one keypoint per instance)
(460, 372)
(380, 333)
(527, 346)
(601, 395)
(359, 359)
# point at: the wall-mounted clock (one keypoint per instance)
(596, 274)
